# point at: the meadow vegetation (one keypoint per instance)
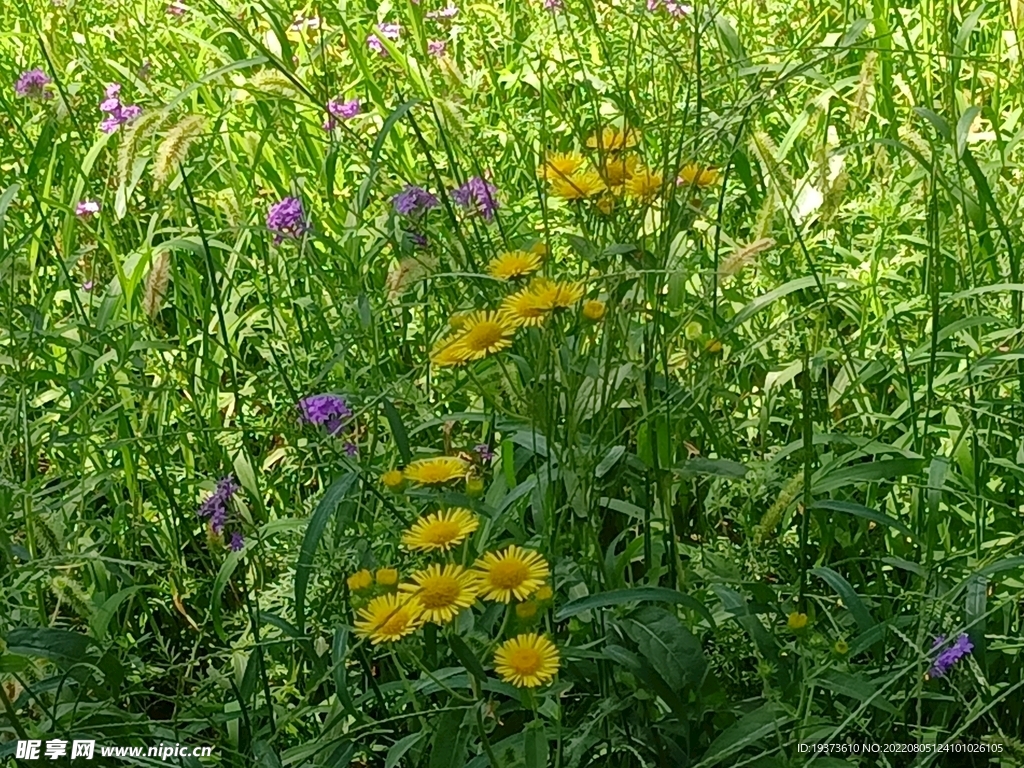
(508, 385)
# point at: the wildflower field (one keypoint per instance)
(555, 383)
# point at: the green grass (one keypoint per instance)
(804, 396)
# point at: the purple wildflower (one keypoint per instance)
(32, 84)
(216, 505)
(342, 110)
(387, 30)
(117, 113)
(351, 449)
(416, 238)
(945, 660)
(87, 285)
(436, 47)
(87, 208)
(237, 542)
(554, 5)
(413, 201)
(286, 219)
(479, 195)
(326, 409)
(445, 13)
(484, 450)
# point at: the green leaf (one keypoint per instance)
(535, 742)
(610, 460)
(963, 127)
(668, 646)
(339, 651)
(397, 430)
(859, 510)
(850, 598)
(736, 604)
(58, 645)
(101, 618)
(449, 747)
(223, 577)
(378, 145)
(634, 595)
(466, 657)
(855, 686)
(975, 607)
(719, 467)
(827, 480)
(400, 747)
(752, 727)
(317, 523)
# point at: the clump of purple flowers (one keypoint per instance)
(87, 208)
(32, 84)
(414, 201)
(949, 657)
(287, 219)
(477, 194)
(436, 47)
(326, 410)
(117, 113)
(484, 451)
(340, 110)
(554, 5)
(386, 30)
(216, 508)
(679, 10)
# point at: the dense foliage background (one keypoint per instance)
(784, 461)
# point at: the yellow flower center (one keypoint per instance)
(509, 574)
(396, 623)
(525, 660)
(438, 591)
(441, 532)
(483, 335)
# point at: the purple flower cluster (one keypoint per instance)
(414, 201)
(386, 30)
(445, 13)
(554, 5)
(216, 508)
(484, 451)
(436, 47)
(477, 194)
(117, 113)
(679, 10)
(287, 219)
(340, 110)
(87, 208)
(32, 84)
(326, 410)
(949, 657)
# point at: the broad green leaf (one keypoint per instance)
(610, 460)
(58, 645)
(855, 686)
(668, 646)
(317, 523)
(850, 598)
(403, 745)
(859, 510)
(736, 604)
(762, 723)
(449, 747)
(536, 745)
(397, 430)
(101, 618)
(634, 595)
(466, 657)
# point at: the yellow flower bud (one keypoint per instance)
(387, 577)
(593, 310)
(359, 580)
(526, 610)
(393, 478)
(796, 621)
